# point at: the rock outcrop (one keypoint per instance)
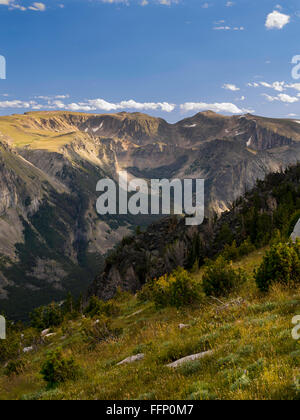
(191, 358)
(132, 359)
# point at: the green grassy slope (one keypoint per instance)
(254, 355)
(34, 131)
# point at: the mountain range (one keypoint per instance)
(51, 238)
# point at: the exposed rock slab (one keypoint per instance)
(191, 358)
(28, 349)
(45, 332)
(183, 326)
(132, 359)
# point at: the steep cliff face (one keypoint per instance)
(52, 240)
(262, 136)
(164, 246)
(272, 204)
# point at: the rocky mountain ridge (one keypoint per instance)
(51, 238)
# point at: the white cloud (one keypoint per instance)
(270, 98)
(58, 102)
(229, 86)
(217, 107)
(55, 102)
(142, 2)
(52, 97)
(167, 2)
(18, 104)
(277, 20)
(41, 7)
(100, 104)
(114, 1)
(222, 28)
(282, 97)
(277, 86)
(13, 4)
(164, 106)
(228, 28)
(295, 86)
(38, 7)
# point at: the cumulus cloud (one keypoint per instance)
(57, 102)
(14, 4)
(277, 86)
(295, 86)
(18, 104)
(229, 86)
(38, 7)
(277, 20)
(142, 2)
(217, 107)
(100, 104)
(282, 97)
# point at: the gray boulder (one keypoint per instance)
(183, 326)
(132, 359)
(28, 349)
(191, 358)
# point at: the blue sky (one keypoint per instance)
(164, 57)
